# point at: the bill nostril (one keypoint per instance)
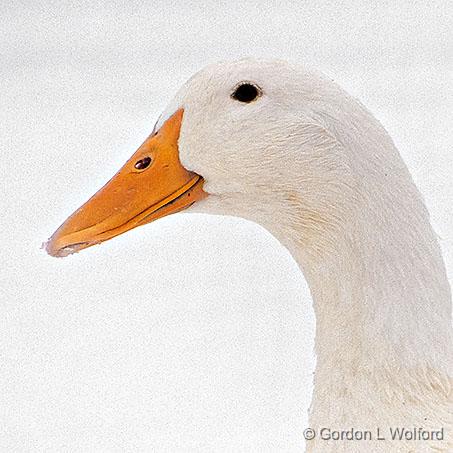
(143, 163)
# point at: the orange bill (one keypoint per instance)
(151, 185)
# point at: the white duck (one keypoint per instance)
(288, 149)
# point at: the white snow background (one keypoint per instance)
(194, 333)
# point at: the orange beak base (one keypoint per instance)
(151, 185)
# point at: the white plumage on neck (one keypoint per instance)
(383, 337)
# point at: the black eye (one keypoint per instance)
(142, 163)
(246, 92)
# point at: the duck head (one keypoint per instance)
(257, 139)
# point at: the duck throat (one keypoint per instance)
(383, 299)
(382, 302)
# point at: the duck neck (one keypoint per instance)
(383, 318)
